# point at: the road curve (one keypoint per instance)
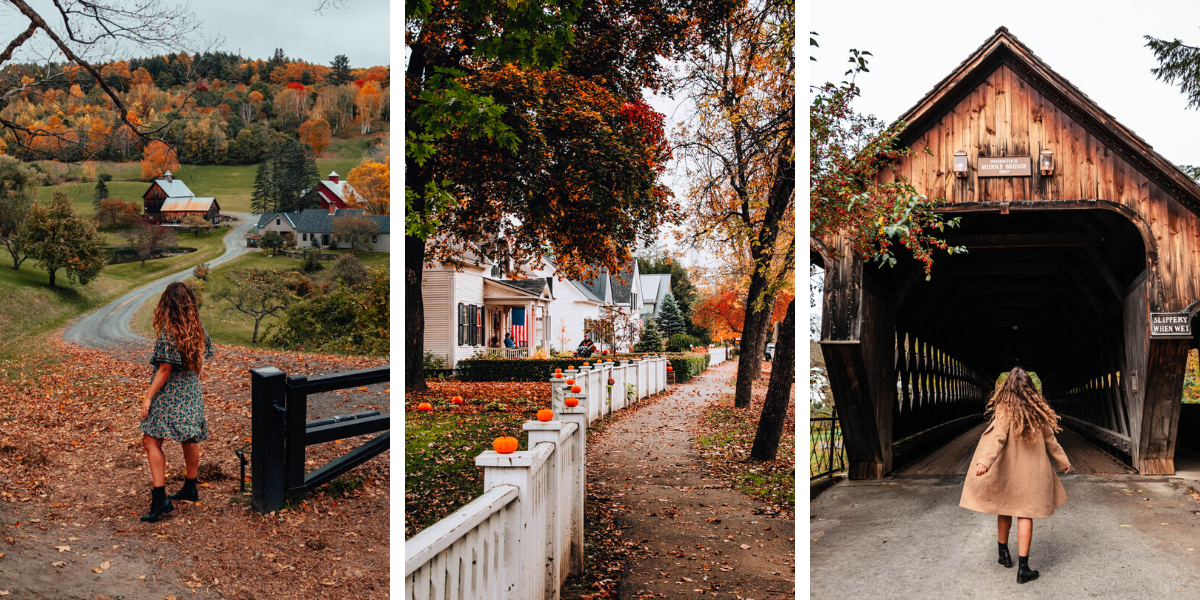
(111, 324)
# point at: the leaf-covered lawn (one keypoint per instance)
(441, 446)
(725, 435)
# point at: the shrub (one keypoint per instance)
(310, 260)
(688, 366)
(347, 320)
(271, 241)
(350, 270)
(434, 361)
(682, 342)
(201, 272)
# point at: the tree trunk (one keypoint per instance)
(753, 336)
(414, 315)
(779, 391)
(52, 272)
(254, 338)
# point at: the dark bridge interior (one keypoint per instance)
(1046, 290)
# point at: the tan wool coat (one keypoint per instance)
(1019, 482)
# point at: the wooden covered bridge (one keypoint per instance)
(1083, 266)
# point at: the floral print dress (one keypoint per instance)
(177, 411)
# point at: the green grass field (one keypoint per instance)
(31, 306)
(227, 327)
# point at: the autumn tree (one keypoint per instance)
(158, 158)
(115, 212)
(75, 38)
(315, 133)
(368, 102)
(148, 239)
(741, 150)
(195, 224)
(17, 195)
(256, 293)
(372, 183)
(356, 230)
(722, 312)
(56, 238)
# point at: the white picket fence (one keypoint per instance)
(717, 356)
(524, 535)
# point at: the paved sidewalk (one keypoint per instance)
(694, 536)
(1125, 536)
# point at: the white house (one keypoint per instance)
(315, 227)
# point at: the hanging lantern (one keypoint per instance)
(1046, 162)
(960, 164)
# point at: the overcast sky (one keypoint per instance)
(255, 28)
(1098, 46)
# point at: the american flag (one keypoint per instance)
(520, 328)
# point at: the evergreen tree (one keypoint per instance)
(339, 70)
(285, 174)
(651, 340)
(671, 317)
(101, 190)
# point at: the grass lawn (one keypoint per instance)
(441, 446)
(726, 434)
(225, 327)
(31, 306)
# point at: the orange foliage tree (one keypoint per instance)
(316, 134)
(157, 159)
(372, 183)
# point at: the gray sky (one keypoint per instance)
(360, 30)
(1098, 46)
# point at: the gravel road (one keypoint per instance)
(110, 324)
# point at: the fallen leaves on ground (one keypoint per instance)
(70, 446)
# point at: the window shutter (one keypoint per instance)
(461, 325)
(471, 325)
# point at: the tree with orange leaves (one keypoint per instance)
(372, 183)
(368, 102)
(158, 158)
(315, 133)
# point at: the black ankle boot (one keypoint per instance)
(1005, 557)
(159, 505)
(187, 492)
(1024, 573)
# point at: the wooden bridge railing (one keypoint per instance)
(938, 396)
(1097, 409)
(524, 536)
(281, 432)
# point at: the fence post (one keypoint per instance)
(297, 428)
(578, 485)
(524, 580)
(558, 525)
(268, 487)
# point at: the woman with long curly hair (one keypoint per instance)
(1010, 473)
(173, 407)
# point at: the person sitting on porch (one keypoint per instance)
(508, 341)
(585, 349)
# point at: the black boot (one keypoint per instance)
(159, 505)
(1024, 573)
(188, 492)
(1005, 557)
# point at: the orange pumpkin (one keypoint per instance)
(670, 368)
(558, 375)
(570, 382)
(611, 381)
(576, 389)
(505, 445)
(457, 400)
(586, 365)
(545, 414)
(558, 370)
(571, 402)
(424, 407)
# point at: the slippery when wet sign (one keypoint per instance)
(1170, 325)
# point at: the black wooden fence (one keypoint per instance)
(281, 432)
(827, 453)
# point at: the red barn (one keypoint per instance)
(331, 194)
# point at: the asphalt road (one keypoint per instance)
(110, 324)
(1117, 536)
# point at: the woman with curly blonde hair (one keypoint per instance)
(1010, 473)
(173, 407)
